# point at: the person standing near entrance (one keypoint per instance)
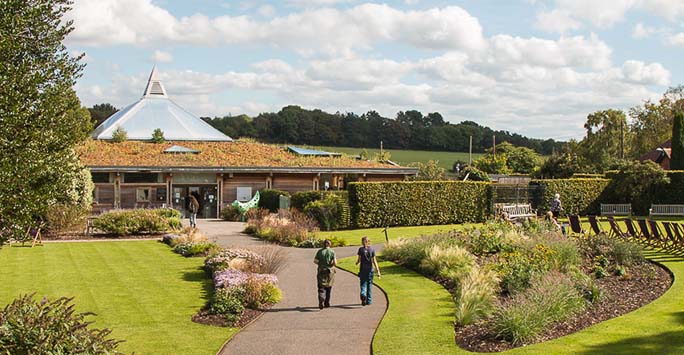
(556, 206)
(194, 208)
(325, 277)
(366, 257)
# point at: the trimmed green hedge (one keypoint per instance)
(300, 199)
(414, 203)
(138, 221)
(270, 199)
(578, 196)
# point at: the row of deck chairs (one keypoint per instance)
(643, 231)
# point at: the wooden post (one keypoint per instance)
(493, 144)
(470, 152)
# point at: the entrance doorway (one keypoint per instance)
(205, 194)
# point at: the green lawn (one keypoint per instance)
(141, 290)
(405, 157)
(421, 315)
(377, 235)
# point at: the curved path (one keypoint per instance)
(296, 325)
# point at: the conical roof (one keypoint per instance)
(155, 110)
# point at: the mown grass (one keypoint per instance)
(406, 157)
(141, 290)
(420, 318)
(377, 235)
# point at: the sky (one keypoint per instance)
(534, 67)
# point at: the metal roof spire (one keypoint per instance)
(154, 88)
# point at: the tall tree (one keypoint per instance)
(41, 119)
(603, 144)
(652, 122)
(677, 162)
(100, 112)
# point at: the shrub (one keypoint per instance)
(328, 212)
(476, 296)
(158, 136)
(195, 248)
(50, 327)
(187, 235)
(492, 237)
(138, 221)
(62, 217)
(409, 252)
(119, 135)
(563, 254)
(451, 263)
(274, 259)
(238, 259)
(300, 199)
(230, 213)
(551, 297)
(621, 252)
(473, 174)
(517, 268)
(229, 303)
(289, 227)
(416, 203)
(259, 292)
(270, 199)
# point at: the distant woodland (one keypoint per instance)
(408, 130)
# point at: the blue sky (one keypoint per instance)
(534, 67)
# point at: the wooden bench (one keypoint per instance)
(666, 210)
(516, 211)
(616, 209)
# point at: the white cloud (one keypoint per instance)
(640, 31)
(328, 30)
(556, 21)
(266, 10)
(648, 74)
(162, 57)
(676, 39)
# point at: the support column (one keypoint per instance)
(219, 194)
(117, 190)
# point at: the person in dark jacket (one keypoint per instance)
(366, 257)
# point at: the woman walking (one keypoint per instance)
(366, 257)
(325, 277)
(194, 208)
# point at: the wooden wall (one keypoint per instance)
(128, 196)
(293, 182)
(230, 185)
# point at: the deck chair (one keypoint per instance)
(658, 237)
(674, 237)
(646, 233)
(575, 225)
(679, 233)
(593, 223)
(34, 234)
(615, 230)
(631, 231)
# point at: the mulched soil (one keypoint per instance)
(249, 315)
(643, 284)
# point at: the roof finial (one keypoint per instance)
(154, 88)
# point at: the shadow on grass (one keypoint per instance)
(199, 275)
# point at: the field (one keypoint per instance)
(405, 157)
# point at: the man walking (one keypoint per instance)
(366, 257)
(326, 260)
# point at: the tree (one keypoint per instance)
(636, 183)
(493, 164)
(677, 161)
(652, 123)
(430, 171)
(559, 166)
(158, 136)
(41, 117)
(119, 135)
(606, 138)
(100, 112)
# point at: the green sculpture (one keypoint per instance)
(243, 207)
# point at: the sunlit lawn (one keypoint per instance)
(141, 290)
(377, 235)
(420, 319)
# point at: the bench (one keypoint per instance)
(666, 210)
(514, 212)
(616, 209)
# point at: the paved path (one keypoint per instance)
(296, 325)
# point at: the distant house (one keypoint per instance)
(201, 161)
(660, 155)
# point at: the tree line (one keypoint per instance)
(408, 130)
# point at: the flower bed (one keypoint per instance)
(518, 285)
(287, 227)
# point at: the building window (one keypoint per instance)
(315, 184)
(143, 194)
(100, 177)
(141, 177)
(269, 182)
(96, 194)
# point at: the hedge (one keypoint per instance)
(413, 203)
(578, 196)
(270, 199)
(300, 199)
(138, 221)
